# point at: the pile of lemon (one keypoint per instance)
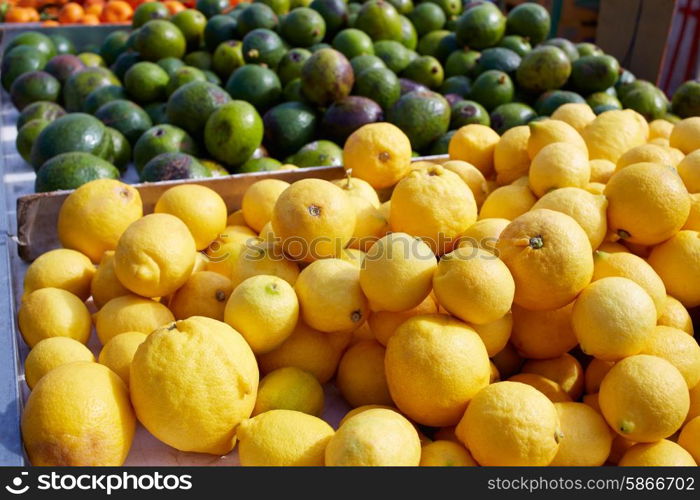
(524, 303)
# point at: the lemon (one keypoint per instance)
(496, 334)
(204, 294)
(484, 233)
(259, 201)
(689, 438)
(370, 224)
(613, 318)
(627, 265)
(507, 202)
(376, 437)
(265, 310)
(694, 410)
(78, 415)
(558, 165)
(53, 312)
(62, 268)
(398, 272)
(362, 333)
(660, 128)
(430, 393)
(543, 334)
(475, 143)
(693, 222)
(675, 315)
(330, 296)
(601, 170)
(689, 170)
(659, 141)
(644, 398)
(155, 255)
(283, 438)
(379, 153)
(255, 259)
(201, 209)
(646, 153)
(510, 424)
(549, 388)
(384, 323)
(510, 158)
(94, 216)
(307, 349)
(358, 188)
(361, 377)
(433, 204)
(105, 285)
(471, 176)
(596, 188)
(474, 285)
(130, 313)
(565, 370)
(578, 115)
(238, 233)
(613, 247)
(595, 373)
(192, 382)
(686, 135)
(620, 445)
(663, 453)
(648, 203)
(587, 439)
(314, 218)
(360, 409)
(445, 454)
(222, 254)
(592, 401)
(236, 218)
(679, 349)
(549, 256)
(51, 353)
(118, 353)
(613, 133)
(289, 389)
(354, 256)
(589, 210)
(677, 261)
(507, 361)
(546, 132)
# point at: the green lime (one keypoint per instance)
(262, 46)
(686, 100)
(303, 27)
(158, 39)
(423, 117)
(409, 37)
(544, 68)
(352, 42)
(126, 60)
(173, 166)
(71, 132)
(395, 56)
(280, 7)
(427, 17)
(492, 88)
(63, 66)
(113, 45)
(466, 112)
(200, 59)
(127, 117)
(361, 63)
(549, 101)
(183, 76)
(26, 136)
(509, 115)
(441, 145)
(233, 132)
(189, 106)
(121, 149)
(588, 49)
(603, 99)
(334, 13)
(462, 62)
(594, 73)
(254, 16)
(149, 11)
(380, 20)
(518, 44)
(380, 85)
(78, 86)
(211, 8)
(481, 26)
(218, 30)
(103, 95)
(162, 139)
(425, 70)
(191, 23)
(264, 164)
(292, 91)
(63, 44)
(43, 110)
(289, 67)
(33, 87)
(498, 58)
(288, 126)
(255, 84)
(402, 6)
(565, 45)
(318, 154)
(529, 20)
(72, 170)
(326, 77)
(460, 85)
(227, 58)
(145, 82)
(39, 41)
(19, 60)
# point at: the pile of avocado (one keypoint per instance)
(216, 90)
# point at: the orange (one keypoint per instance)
(71, 13)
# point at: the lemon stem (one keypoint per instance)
(536, 242)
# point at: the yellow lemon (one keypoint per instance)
(433, 204)
(51, 353)
(236, 218)
(592, 401)
(201, 209)
(565, 370)
(314, 218)
(576, 114)
(675, 315)
(677, 261)
(496, 334)
(474, 285)
(549, 256)
(105, 285)
(445, 454)
(596, 188)
(361, 377)
(686, 135)
(689, 170)
(613, 133)
(549, 388)
(130, 313)
(620, 445)
(660, 128)
(484, 233)
(307, 349)
(601, 170)
(330, 296)
(118, 353)
(587, 439)
(475, 144)
(613, 318)
(693, 222)
(360, 409)
(660, 141)
(289, 388)
(507, 361)
(358, 188)
(510, 158)
(61, 268)
(627, 265)
(690, 438)
(663, 453)
(647, 203)
(204, 294)
(543, 334)
(370, 224)
(679, 349)
(397, 273)
(471, 176)
(644, 398)
(222, 257)
(283, 438)
(379, 153)
(255, 259)
(384, 323)
(354, 256)
(510, 424)
(546, 132)
(507, 202)
(259, 201)
(236, 233)
(53, 312)
(155, 255)
(589, 210)
(558, 165)
(94, 216)
(646, 153)
(192, 382)
(265, 310)
(430, 393)
(376, 437)
(612, 247)
(596, 371)
(78, 415)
